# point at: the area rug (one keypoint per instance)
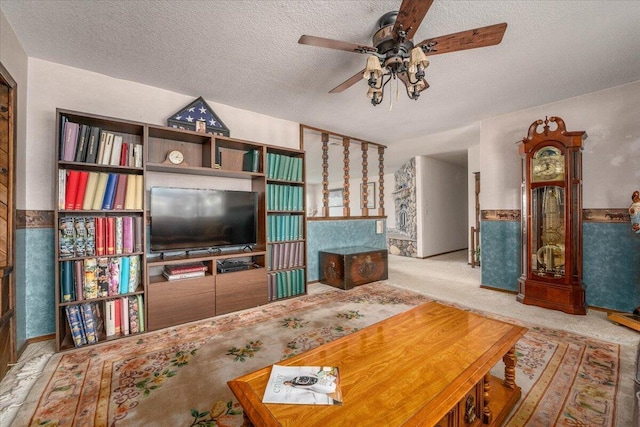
(178, 376)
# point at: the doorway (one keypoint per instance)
(7, 220)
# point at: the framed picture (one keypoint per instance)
(201, 126)
(335, 198)
(370, 191)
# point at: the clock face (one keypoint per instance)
(175, 157)
(547, 164)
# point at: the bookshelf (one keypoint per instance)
(168, 301)
(96, 271)
(286, 226)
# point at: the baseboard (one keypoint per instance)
(34, 340)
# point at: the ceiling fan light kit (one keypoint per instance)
(394, 55)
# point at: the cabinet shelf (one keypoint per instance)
(173, 302)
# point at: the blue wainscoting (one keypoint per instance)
(35, 283)
(610, 261)
(611, 265)
(338, 233)
(500, 254)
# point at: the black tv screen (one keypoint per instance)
(191, 219)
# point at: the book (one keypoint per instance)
(130, 193)
(116, 151)
(303, 385)
(90, 288)
(109, 235)
(66, 281)
(124, 315)
(90, 190)
(78, 279)
(81, 148)
(137, 156)
(134, 273)
(62, 188)
(127, 235)
(110, 318)
(63, 122)
(118, 231)
(139, 193)
(114, 276)
(124, 154)
(107, 149)
(90, 238)
(80, 236)
(109, 191)
(88, 323)
(185, 268)
(125, 270)
(121, 190)
(141, 318)
(100, 235)
(134, 317)
(92, 145)
(71, 191)
(70, 141)
(100, 190)
(137, 237)
(66, 237)
(179, 276)
(75, 325)
(102, 276)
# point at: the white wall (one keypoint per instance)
(54, 86)
(15, 60)
(441, 195)
(611, 156)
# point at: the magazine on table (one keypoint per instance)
(304, 385)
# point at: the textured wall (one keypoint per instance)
(610, 264)
(500, 254)
(323, 235)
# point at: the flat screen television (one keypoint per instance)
(184, 219)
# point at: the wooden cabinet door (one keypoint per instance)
(7, 214)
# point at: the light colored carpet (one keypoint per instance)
(445, 278)
(448, 278)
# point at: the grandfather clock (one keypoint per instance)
(552, 217)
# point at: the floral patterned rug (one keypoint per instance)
(177, 376)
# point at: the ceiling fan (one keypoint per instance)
(395, 56)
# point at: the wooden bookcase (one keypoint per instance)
(172, 302)
(65, 215)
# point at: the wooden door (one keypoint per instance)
(7, 223)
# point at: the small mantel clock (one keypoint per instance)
(552, 217)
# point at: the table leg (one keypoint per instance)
(486, 411)
(509, 360)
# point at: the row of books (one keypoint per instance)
(90, 236)
(284, 227)
(184, 271)
(97, 277)
(82, 190)
(284, 168)
(284, 284)
(285, 255)
(92, 322)
(90, 144)
(284, 198)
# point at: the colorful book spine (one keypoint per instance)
(88, 323)
(75, 325)
(134, 272)
(110, 191)
(66, 281)
(80, 236)
(80, 192)
(127, 235)
(71, 192)
(134, 318)
(118, 235)
(70, 141)
(125, 270)
(114, 276)
(66, 237)
(102, 275)
(90, 288)
(90, 238)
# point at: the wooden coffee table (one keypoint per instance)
(427, 366)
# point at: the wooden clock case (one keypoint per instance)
(552, 217)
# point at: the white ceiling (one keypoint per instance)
(245, 54)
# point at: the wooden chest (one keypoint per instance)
(352, 266)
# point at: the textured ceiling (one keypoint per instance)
(245, 54)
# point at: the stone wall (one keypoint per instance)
(402, 238)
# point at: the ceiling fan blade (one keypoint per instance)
(470, 39)
(335, 44)
(348, 83)
(410, 16)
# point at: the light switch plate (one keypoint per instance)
(379, 226)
